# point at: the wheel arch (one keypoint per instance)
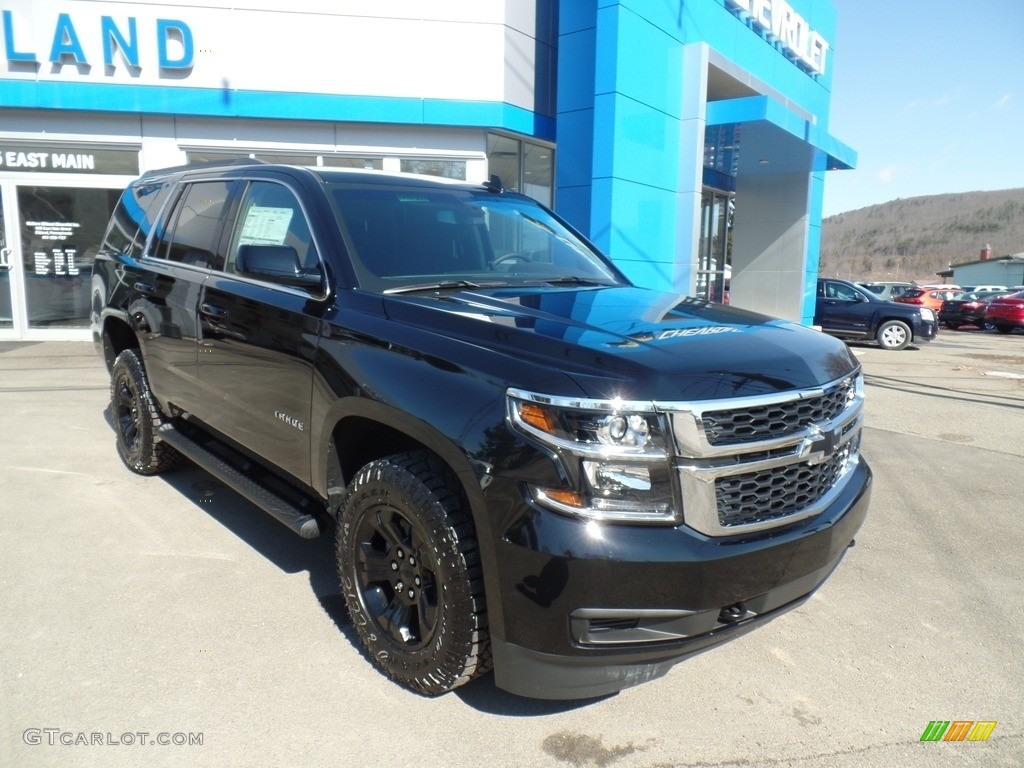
(358, 431)
(116, 336)
(907, 321)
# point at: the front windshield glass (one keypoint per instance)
(410, 238)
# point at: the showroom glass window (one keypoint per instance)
(61, 231)
(523, 166)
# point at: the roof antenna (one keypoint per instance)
(493, 184)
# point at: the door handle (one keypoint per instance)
(144, 288)
(213, 311)
(5, 258)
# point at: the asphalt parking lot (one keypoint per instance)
(169, 609)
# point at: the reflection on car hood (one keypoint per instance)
(630, 342)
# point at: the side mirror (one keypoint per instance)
(275, 263)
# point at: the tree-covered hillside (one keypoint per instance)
(916, 237)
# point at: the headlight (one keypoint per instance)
(928, 315)
(614, 456)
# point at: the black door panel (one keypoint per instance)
(256, 367)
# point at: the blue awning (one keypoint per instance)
(773, 139)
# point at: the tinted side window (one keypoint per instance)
(270, 218)
(841, 291)
(134, 216)
(846, 293)
(196, 224)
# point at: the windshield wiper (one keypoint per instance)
(441, 285)
(574, 280)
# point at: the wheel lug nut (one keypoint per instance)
(417, 581)
(399, 586)
(394, 566)
(400, 554)
(412, 593)
(412, 560)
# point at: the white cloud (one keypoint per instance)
(1003, 101)
(885, 175)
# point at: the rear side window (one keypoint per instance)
(133, 217)
(195, 225)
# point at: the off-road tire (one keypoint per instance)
(137, 418)
(410, 572)
(894, 335)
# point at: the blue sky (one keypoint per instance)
(930, 95)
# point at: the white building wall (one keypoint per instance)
(352, 47)
(1008, 271)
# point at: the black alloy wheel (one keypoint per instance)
(397, 578)
(137, 418)
(410, 573)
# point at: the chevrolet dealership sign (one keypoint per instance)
(778, 22)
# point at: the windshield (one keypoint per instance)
(415, 238)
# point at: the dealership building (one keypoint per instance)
(689, 140)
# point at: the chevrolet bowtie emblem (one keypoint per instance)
(819, 446)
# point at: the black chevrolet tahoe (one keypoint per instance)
(530, 464)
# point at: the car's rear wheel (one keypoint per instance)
(894, 335)
(137, 418)
(410, 572)
(1004, 328)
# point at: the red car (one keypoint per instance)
(1006, 313)
(968, 309)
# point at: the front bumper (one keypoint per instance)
(589, 609)
(926, 330)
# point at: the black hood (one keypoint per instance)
(633, 343)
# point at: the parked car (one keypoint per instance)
(886, 290)
(928, 297)
(967, 309)
(987, 288)
(846, 311)
(1006, 313)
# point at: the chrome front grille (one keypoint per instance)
(749, 464)
(741, 425)
(771, 494)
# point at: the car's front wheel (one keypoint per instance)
(894, 335)
(410, 572)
